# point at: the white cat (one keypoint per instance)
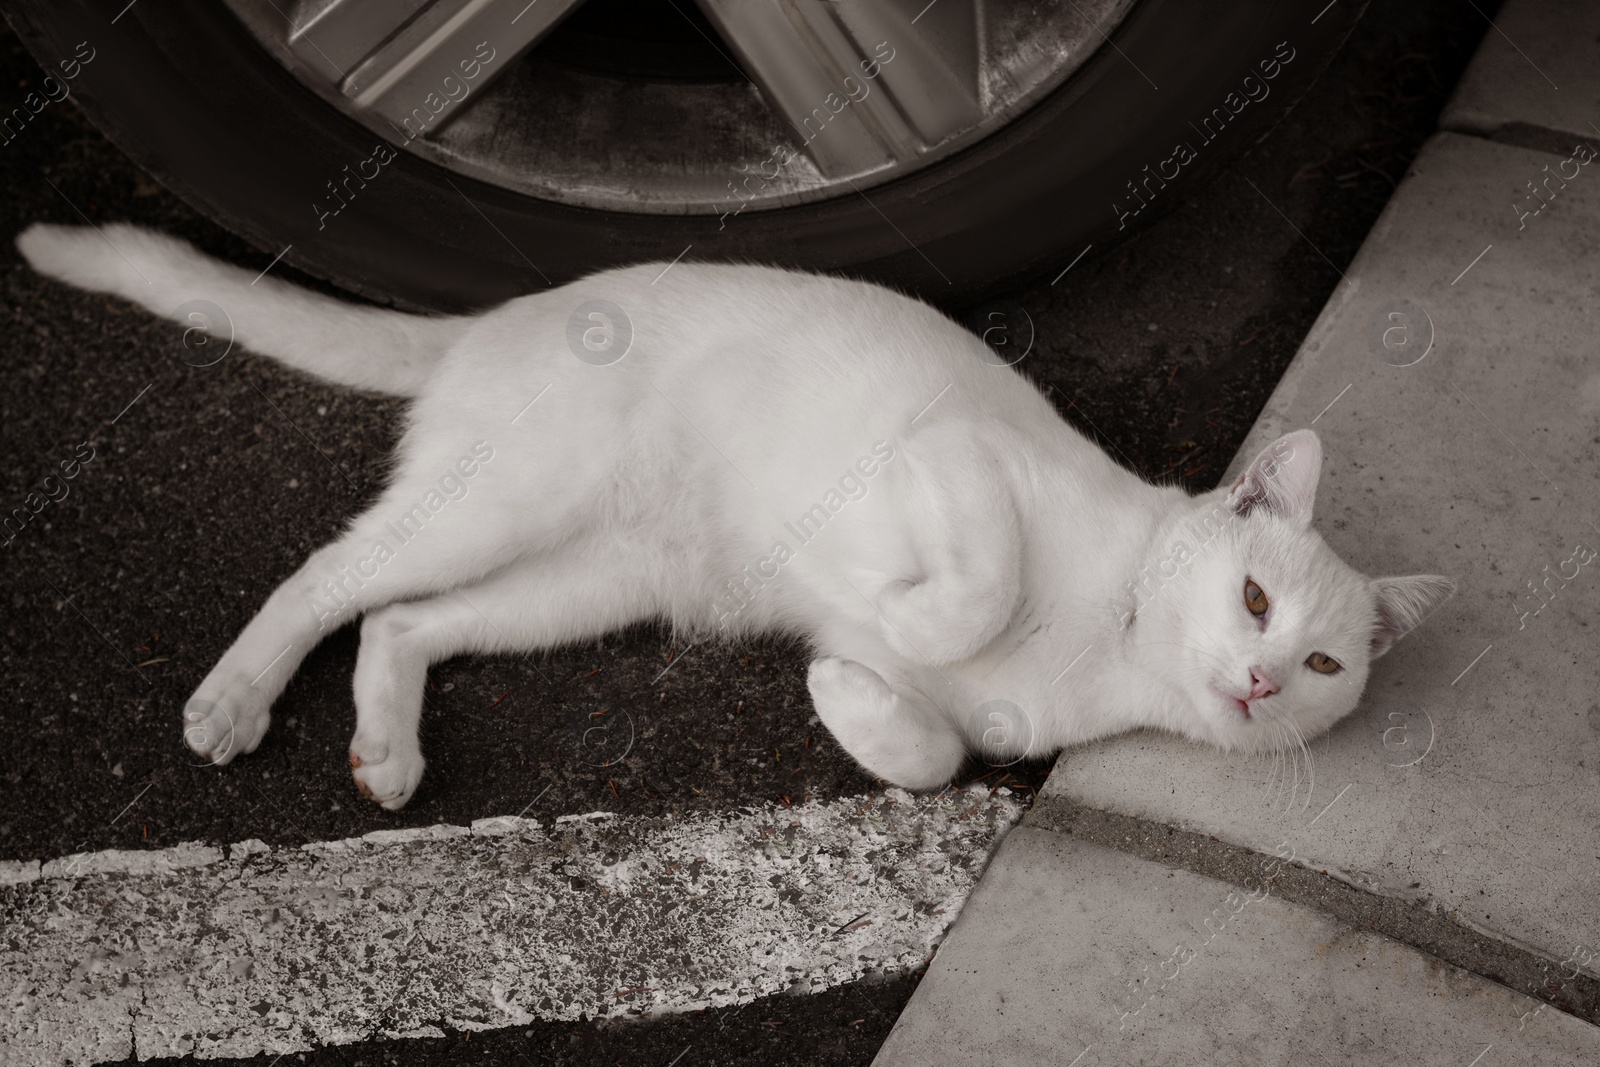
(740, 449)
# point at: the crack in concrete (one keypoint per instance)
(1428, 929)
(1521, 135)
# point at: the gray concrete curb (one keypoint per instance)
(1518, 886)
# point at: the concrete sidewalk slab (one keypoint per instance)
(1455, 382)
(1134, 963)
(1538, 70)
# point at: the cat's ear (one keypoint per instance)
(1282, 480)
(1403, 603)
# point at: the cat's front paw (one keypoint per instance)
(223, 720)
(845, 684)
(385, 774)
(897, 738)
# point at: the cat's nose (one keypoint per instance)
(1260, 684)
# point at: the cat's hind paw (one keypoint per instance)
(385, 775)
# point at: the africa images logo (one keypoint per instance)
(406, 528)
(740, 591)
(1252, 89)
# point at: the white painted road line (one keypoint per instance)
(190, 951)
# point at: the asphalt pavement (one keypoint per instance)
(208, 485)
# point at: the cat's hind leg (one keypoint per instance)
(537, 602)
(895, 735)
(413, 542)
(397, 644)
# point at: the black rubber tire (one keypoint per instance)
(183, 89)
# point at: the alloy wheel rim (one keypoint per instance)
(822, 98)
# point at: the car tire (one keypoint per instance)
(184, 90)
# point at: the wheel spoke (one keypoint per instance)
(864, 83)
(333, 36)
(416, 62)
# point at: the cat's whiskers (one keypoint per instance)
(1311, 767)
(1293, 740)
(1277, 747)
(1286, 754)
(1301, 748)
(1276, 752)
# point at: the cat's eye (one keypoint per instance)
(1322, 664)
(1254, 598)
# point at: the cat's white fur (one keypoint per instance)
(995, 581)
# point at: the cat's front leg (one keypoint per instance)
(897, 736)
(961, 583)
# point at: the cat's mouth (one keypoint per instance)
(1233, 702)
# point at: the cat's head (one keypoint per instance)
(1268, 635)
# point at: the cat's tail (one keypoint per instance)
(365, 347)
